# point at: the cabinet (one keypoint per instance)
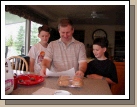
(119, 50)
(54, 35)
(109, 49)
(79, 35)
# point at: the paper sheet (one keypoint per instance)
(70, 72)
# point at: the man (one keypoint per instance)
(66, 52)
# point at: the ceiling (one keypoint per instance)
(81, 14)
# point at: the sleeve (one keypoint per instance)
(49, 52)
(82, 54)
(32, 52)
(88, 71)
(114, 73)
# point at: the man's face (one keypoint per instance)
(66, 33)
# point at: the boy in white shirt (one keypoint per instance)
(38, 51)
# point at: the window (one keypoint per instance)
(33, 37)
(15, 28)
(34, 33)
(14, 34)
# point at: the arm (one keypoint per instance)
(44, 65)
(109, 81)
(82, 61)
(82, 69)
(32, 57)
(95, 76)
(31, 65)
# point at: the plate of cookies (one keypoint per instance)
(68, 81)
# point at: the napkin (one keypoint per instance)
(44, 91)
(70, 72)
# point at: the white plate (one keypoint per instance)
(62, 92)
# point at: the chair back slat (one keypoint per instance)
(16, 64)
(19, 64)
(23, 65)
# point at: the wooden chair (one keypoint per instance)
(18, 63)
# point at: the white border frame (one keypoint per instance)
(126, 3)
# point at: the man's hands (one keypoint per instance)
(43, 72)
(45, 64)
(82, 69)
(79, 73)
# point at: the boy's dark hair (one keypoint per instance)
(44, 28)
(103, 42)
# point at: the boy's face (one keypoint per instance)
(98, 51)
(44, 36)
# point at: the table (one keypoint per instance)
(91, 87)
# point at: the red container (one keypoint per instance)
(15, 82)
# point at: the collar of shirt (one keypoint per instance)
(72, 40)
(66, 47)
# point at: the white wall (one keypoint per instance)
(110, 30)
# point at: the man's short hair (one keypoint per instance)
(65, 22)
